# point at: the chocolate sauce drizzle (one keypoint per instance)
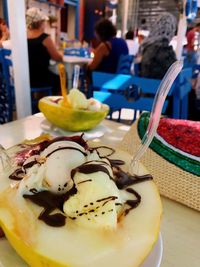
(52, 203)
(112, 150)
(85, 181)
(66, 147)
(116, 162)
(124, 179)
(88, 168)
(17, 175)
(36, 149)
(132, 203)
(20, 172)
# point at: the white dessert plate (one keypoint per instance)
(8, 256)
(96, 132)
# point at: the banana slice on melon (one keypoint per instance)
(108, 221)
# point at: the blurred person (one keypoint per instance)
(156, 55)
(110, 48)
(40, 50)
(155, 52)
(4, 35)
(132, 42)
(192, 36)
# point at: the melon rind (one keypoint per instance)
(71, 119)
(128, 246)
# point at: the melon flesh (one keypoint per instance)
(74, 246)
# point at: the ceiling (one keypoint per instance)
(147, 11)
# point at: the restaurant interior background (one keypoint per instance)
(75, 19)
(72, 21)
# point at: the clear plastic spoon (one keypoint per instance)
(159, 100)
(76, 76)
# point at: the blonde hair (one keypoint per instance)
(35, 25)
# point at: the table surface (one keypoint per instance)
(180, 225)
(76, 59)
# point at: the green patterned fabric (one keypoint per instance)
(176, 158)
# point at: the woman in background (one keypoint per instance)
(156, 53)
(40, 50)
(110, 48)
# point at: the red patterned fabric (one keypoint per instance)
(182, 134)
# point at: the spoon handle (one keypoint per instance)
(158, 103)
(62, 74)
(76, 76)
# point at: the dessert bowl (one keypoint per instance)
(81, 115)
(74, 204)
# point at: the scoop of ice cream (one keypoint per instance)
(77, 99)
(94, 104)
(97, 201)
(52, 168)
(62, 157)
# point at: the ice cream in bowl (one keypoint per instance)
(69, 203)
(81, 114)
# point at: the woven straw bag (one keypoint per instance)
(172, 181)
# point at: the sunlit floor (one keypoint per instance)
(126, 116)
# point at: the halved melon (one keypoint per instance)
(71, 245)
(68, 118)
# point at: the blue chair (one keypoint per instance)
(118, 100)
(124, 64)
(118, 82)
(180, 93)
(148, 87)
(6, 62)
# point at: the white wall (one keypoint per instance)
(71, 22)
